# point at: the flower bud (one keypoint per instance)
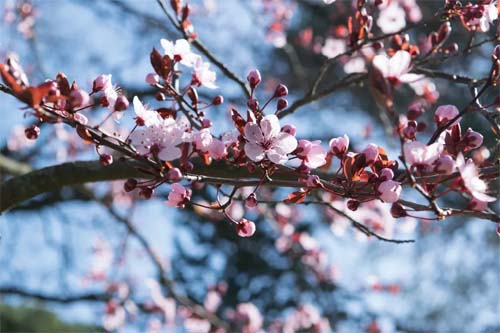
(206, 123)
(397, 210)
(281, 91)
(253, 104)
(251, 201)
(282, 104)
(78, 98)
(386, 174)
(152, 79)
(146, 193)
(130, 185)
(371, 153)
(445, 165)
(445, 113)
(290, 129)
(160, 97)
(121, 103)
(174, 175)
(352, 204)
(245, 228)
(106, 159)
(32, 132)
(254, 78)
(472, 139)
(338, 146)
(389, 190)
(100, 82)
(218, 100)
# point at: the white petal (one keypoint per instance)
(399, 63)
(254, 151)
(381, 62)
(169, 153)
(276, 157)
(253, 133)
(270, 126)
(284, 143)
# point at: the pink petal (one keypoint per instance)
(254, 151)
(253, 133)
(399, 63)
(284, 143)
(270, 126)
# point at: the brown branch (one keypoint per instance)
(91, 297)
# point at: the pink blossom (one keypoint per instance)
(180, 51)
(391, 18)
(386, 174)
(202, 140)
(251, 316)
(371, 153)
(202, 75)
(396, 68)
(333, 47)
(470, 177)
(115, 316)
(217, 149)
(418, 153)
(445, 165)
(254, 78)
(338, 146)
(212, 301)
(159, 140)
(312, 153)
(178, 196)
(144, 117)
(245, 228)
(445, 113)
(390, 191)
(152, 79)
(101, 82)
(79, 98)
(266, 140)
(198, 325)
(472, 139)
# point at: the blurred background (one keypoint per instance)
(68, 243)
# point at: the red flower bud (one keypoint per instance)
(130, 185)
(281, 91)
(254, 78)
(218, 100)
(32, 132)
(121, 103)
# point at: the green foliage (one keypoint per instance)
(35, 319)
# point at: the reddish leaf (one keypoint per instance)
(34, 95)
(238, 121)
(63, 84)
(176, 6)
(353, 166)
(161, 64)
(193, 96)
(9, 80)
(296, 197)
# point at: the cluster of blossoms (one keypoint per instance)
(22, 14)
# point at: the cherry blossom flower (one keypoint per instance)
(202, 75)
(102, 259)
(333, 47)
(180, 51)
(115, 316)
(391, 18)
(159, 140)
(445, 165)
(338, 146)
(217, 149)
(396, 68)
(266, 140)
(202, 140)
(445, 113)
(418, 153)
(472, 139)
(178, 196)
(245, 228)
(390, 191)
(312, 153)
(371, 153)
(144, 116)
(470, 177)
